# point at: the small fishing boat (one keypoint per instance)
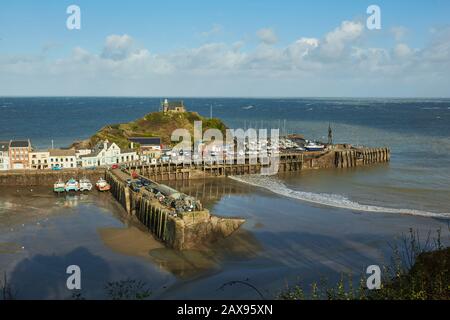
(72, 185)
(59, 186)
(102, 185)
(85, 185)
(312, 146)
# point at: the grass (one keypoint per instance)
(155, 124)
(419, 270)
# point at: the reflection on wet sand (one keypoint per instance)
(211, 191)
(135, 241)
(9, 247)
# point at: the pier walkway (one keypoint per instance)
(338, 157)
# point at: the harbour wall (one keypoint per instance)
(188, 230)
(340, 157)
(28, 178)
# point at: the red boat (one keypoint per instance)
(102, 185)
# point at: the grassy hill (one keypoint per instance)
(155, 124)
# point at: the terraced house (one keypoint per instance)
(63, 158)
(19, 154)
(39, 159)
(4, 155)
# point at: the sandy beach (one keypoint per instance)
(284, 241)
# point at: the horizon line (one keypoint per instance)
(223, 97)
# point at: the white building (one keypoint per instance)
(39, 159)
(62, 158)
(4, 155)
(79, 153)
(105, 154)
(150, 148)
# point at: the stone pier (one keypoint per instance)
(340, 156)
(185, 231)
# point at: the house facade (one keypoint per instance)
(39, 160)
(150, 148)
(79, 153)
(19, 154)
(105, 154)
(62, 158)
(4, 155)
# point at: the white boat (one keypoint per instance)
(312, 146)
(72, 185)
(59, 186)
(85, 185)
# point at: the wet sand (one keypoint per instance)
(282, 242)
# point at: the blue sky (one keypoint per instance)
(163, 40)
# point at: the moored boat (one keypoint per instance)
(85, 185)
(59, 186)
(72, 185)
(312, 146)
(102, 185)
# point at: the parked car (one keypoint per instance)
(56, 168)
(145, 182)
(134, 186)
(115, 166)
(138, 183)
(128, 181)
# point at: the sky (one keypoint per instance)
(252, 48)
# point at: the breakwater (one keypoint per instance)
(183, 231)
(340, 156)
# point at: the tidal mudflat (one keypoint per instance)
(283, 241)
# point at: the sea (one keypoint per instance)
(299, 227)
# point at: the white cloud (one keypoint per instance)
(339, 57)
(399, 32)
(215, 29)
(267, 36)
(336, 41)
(402, 50)
(117, 47)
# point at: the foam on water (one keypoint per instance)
(331, 200)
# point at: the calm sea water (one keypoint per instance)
(416, 130)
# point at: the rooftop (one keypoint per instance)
(62, 152)
(146, 141)
(19, 144)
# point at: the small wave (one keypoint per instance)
(248, 107)
(330, 200)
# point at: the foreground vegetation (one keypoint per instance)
(420, 270)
